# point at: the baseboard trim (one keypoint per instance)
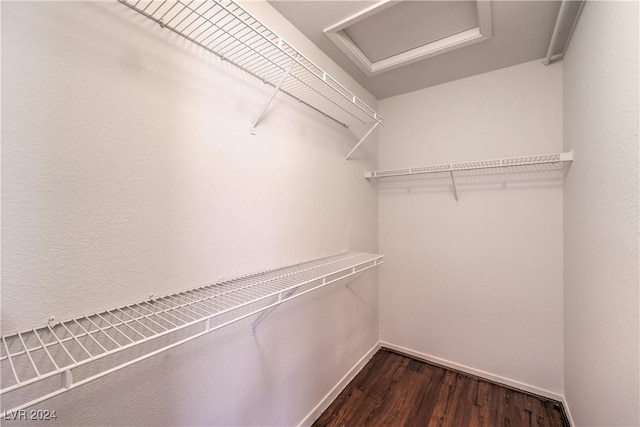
(567, 411)
(335, 391)
(477, 372)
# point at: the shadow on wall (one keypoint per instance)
(516, 177)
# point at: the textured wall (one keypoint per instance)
(601, 217)
(476, 282)
(128, 170)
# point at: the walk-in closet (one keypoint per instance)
(320, 213)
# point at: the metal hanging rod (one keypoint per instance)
(566, 22)
(227, 30)
(83, 349)
(483, 164)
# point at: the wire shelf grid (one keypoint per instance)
(33, 356)
(227, 30)
(526, 161)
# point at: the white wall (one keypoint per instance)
(601, 217)
(476, 282)
(128, 169)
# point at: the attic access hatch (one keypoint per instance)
(393, 33)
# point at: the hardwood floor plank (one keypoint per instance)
(457, 413)
(400, 399)
(396, 390)
(370, 371)
(426, 398)
(522, 404)
(390, 396)
(468, 392)
(554, 416)
(444, 395)
(345, 404)
(540, 415)
(479, 409)
(501, 401)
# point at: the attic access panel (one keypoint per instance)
(391, 34)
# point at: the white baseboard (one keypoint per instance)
(478, 373)
(567, 411)
(335, 391)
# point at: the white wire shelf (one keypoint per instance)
(541, 159)
(541, 162)
(227, 30)
(41, 363)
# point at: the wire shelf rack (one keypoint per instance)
(227, 30)
(40, 363)
(542, 159)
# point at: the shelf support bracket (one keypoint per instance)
(352, 278)
(273, 95)
(455, 191)
(268, 312)
(362, 140)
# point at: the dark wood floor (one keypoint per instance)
(394, 390)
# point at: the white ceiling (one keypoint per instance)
(521, 31)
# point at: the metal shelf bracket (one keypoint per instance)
(375, 125)
(285, 296)
(273, 95)
(453, 182)
(270, 310)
